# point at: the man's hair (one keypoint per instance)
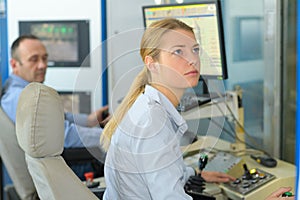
(15, 45)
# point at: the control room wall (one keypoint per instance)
(62, 78)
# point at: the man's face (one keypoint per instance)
(31, 64)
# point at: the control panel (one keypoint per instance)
(249, 181)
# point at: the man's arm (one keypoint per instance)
(80, 136)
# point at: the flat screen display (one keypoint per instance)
(67, 42)
(206, 20)
(76, 102)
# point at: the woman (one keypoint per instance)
(144, 160)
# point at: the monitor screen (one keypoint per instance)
(67, 42)
(206, 20)
(76, 102)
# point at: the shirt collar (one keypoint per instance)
(20, 80)
(166, 103)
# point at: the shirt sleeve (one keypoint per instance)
(80, 136)
(172, 180)
(9, 102)
(79, 119)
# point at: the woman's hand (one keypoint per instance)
(216, 177)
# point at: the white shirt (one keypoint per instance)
(144, 160)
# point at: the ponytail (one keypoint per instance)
(137, 87)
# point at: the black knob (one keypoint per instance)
(247, 175)
(202, 161)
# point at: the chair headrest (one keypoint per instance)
(40, 121)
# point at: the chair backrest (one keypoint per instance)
(13, 158)
(40, 133)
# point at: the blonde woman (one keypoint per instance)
(144, 160)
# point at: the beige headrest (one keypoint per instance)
(40, 121)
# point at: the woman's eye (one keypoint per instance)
(178, 52)
(196, 50)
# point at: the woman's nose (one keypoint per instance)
(193, 59)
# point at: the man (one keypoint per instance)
(29, 59)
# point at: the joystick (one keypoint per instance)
(202, 161)
(247, 175)
(196, 184)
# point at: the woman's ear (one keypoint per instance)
(151, 64)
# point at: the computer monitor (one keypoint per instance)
(206, 19)
(67, 42)
(76, 102)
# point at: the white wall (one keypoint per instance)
(125, 28)
(241, 71)
(65, 79)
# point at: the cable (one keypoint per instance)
(233, 135)
(242, 127)
(221, 127)
(234, 120)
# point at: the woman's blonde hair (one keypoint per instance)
(149, 47)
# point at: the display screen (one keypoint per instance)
(76, 102)
(58, 36)
(67, 42)
(205, 18)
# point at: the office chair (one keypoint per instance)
(40, 133)
(13, 158)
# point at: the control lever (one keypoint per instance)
(247, 174)
(196, 184)
(202, 161)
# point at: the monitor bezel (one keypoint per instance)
(83, 41)
(220, 32)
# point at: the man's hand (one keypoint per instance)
(99, 117)
(277, 195)
(216, 177)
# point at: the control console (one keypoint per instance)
(249, 181)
